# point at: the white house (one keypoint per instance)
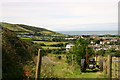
(68, 46)
(92, 42)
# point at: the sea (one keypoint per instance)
(89, 32)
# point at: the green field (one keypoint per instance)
(46, 32)
(49, 47)
(24, 38)
(22, 33)
(48, 43)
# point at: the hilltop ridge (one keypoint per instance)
(26, 29)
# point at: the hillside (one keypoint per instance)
(25, 29)
(15, 54)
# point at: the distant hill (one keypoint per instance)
(15, 53)
(21, 29)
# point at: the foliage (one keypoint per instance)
(97, 41)
(111, 51)
(15, 54)
(47, 71)
(79, 51)
(101, 52)
(115, 43)
(60, 69)
(25, 29)
(117, 54)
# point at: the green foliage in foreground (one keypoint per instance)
(64, 70)
(15, 54)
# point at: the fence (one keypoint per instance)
(111, 66)
(115, 67)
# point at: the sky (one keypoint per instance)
(62, 15)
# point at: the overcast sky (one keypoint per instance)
(62, 15)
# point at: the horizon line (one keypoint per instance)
(89, 30)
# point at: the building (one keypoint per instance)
(68, 46)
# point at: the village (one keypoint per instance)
(98, 42)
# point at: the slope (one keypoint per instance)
(15, 54)
(20, 28)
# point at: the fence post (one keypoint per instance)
(109, 68)
(118, 68)
(101, 63)
(104, 66)
(114, 68)
(72, 60)
(38, 66)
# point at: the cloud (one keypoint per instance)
(85, 27)
(61, 14)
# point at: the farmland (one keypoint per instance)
(22, 40)
(47, 43)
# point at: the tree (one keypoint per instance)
(101, 52)
(97, 41)
(79, 50)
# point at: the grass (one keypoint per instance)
(22, 33)
(24, 29)
(60, 69)
(48, 47)
(24, 38)
(47, 43)
(63, 70)
(92, 75)
(10, 26)
(46, 32)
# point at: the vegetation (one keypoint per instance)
(25, 29)
(48, 43)
(58, 68)
(21, 43)
(112, 51)
(16, 53)
(78, 52)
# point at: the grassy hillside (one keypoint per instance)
(20, 28)
(15, 54)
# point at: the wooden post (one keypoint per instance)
(118, 68)
(114, 69)
(87, 59)
(38, 66)
(72, 60)
(103, 65)
(109, 68)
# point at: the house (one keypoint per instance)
(70, 38)
(68, 46)
(92, 42)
